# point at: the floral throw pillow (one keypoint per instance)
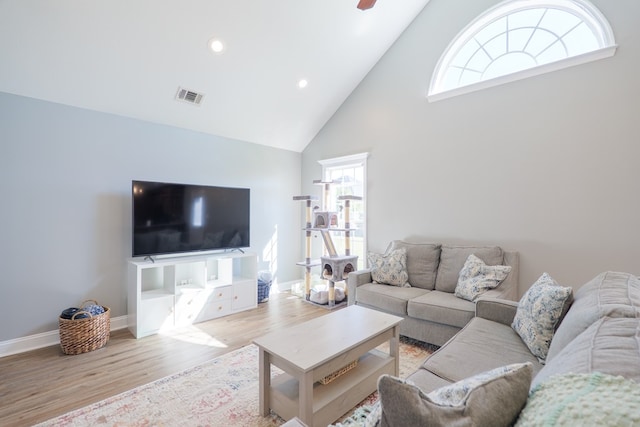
(390, 268)
(476, 278)
(538, 313)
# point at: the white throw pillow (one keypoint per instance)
(538, 313)
(390, 268)
(476, 278)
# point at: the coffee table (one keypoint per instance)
(310, 351)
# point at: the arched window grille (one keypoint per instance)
(518, 39)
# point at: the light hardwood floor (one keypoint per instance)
(45, 383)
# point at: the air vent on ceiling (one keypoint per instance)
(189, 96)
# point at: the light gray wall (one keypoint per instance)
(65, 182)
(547, 166)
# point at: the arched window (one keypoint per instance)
(518, 39)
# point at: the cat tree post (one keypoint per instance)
(307, 261)
(347, 221)
(347, 226)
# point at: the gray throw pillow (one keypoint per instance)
(472, 401)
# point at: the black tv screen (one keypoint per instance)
(178, 218)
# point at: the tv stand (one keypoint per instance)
(179, 291)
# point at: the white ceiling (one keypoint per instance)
(128, 57)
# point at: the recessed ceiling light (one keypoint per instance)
(302, 83)
(216, 45)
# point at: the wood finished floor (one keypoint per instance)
(41, 384)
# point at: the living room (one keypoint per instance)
(546, 166)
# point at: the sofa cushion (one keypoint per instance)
(387, 298)
(583, 400)
(452, 259)
(390, 268)
(422, 262)
(610, 345)
(472, 401)
(609, 294)
(427, 380)
(476, 278)
(441, 307)
(538, 313)
(480, 346)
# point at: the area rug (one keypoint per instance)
(220, 392)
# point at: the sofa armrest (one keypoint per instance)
(497, 310)
(508, 289)
(355, 279)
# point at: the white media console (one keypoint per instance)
(171, 292)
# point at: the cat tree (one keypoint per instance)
(335, 268)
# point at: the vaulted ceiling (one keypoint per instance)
(130, 57)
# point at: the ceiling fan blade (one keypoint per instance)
(366, 4)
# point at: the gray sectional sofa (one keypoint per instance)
(598, 339)
(431, 311)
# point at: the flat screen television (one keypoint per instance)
(181, 218)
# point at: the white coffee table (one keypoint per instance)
(312, 350)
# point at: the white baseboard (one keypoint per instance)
(46, 339)
(285, 286)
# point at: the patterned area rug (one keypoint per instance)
(223, 391)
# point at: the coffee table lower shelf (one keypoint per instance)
(335, 399)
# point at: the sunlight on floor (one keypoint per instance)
(270, 254)
(297, 288)
(194, 335)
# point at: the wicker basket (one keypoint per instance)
(83, 335)
(326, 380)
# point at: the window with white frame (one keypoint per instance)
(518, 39)
(349, 176)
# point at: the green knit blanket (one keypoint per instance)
(583, 400)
